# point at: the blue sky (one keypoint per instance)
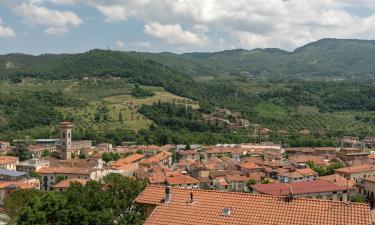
(69, 26)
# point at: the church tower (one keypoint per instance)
(66, 140)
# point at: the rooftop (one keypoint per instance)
(356, 169)
(157, 158)
(8, 159)
(208, 207)
(65, 170)
(66, 183)
(129, 159)
(305, 187)
(181, 179)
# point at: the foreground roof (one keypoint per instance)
(208, 207)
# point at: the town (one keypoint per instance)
(192, 172)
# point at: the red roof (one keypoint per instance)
(306, 187)
(208, 208)
(129, 159)
(181, 179)
(66, 183)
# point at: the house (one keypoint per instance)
(12, 175)
(65, 184)
(325, 151)
(190, 155)
(157, 178)
(4, 144)
(32, 165)
(298, 175)
(148, 150)
(164, 158)
(169, 206)
(8, 187)
(134, 158)
(38, 149)
(49, 175)
(304, 159)
(317, 189)
(127, 170)
(353, 154)
(338, 180)
(239, 183)
(357, 173)
(367, 189)
(250, 167)
(231, 152)
(299, 151)
(179, 180)
(8, 162)
(351, 142)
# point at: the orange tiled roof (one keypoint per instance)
(157, 158)
(8, 159)
(356, 169)
(181, 179)
(156, 178)
(22, 184)
(207, 209)
(65, 170)
(339, 180)
(129, 159)
(307, 172)
(66, 183)
(305, 187)
(249, 165)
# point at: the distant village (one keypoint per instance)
(342, 174)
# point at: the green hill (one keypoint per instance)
(326, 57)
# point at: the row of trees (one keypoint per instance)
(91, 204)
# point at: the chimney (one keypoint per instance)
(168, 194)
(191, 200)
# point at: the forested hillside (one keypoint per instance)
(338, 58)
(108, 93)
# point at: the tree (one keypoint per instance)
(249, 183)
(18, 199)
(82, 155)
(45, 153)
(59, 178)
(120, 117)
(83, 205)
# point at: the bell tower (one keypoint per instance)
(66, 140)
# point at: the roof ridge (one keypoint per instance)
(257, 195)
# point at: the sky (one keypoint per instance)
(70, 26)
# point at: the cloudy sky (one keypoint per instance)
(55, 26)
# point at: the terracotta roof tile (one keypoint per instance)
(66, 183)
(181, 179)
(8, 159)
(357, 169)
(65, 170)
(129, 159)
(157, 158)
(305, 187)
(207, 209)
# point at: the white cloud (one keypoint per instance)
(112, 13)
(142, 44)
(174, 34)
(6, 31)
(63, 2)
(248, 23)
(56, 30)
(120, 44)
(57, 22)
